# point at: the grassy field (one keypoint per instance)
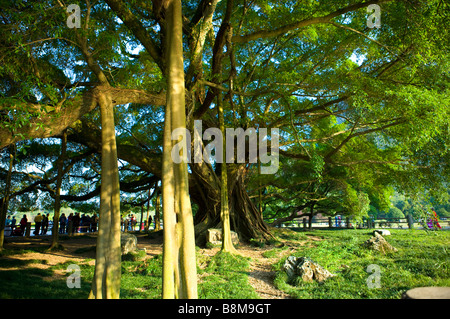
(422, 260)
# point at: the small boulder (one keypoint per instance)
(214, 236)
(306, 269)
(128, 243)
(380, 244)
(382, 232)
(289, 266)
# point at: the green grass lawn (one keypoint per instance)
(224, 277)
(422, 260)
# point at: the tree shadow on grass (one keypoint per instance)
(35, 283)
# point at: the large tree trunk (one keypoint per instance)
(5, 202)
(106, 282)
(246, 220)
(179, 262)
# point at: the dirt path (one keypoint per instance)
(76, 248)
(261, 274)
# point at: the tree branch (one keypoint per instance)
(42, 124)
(138, 30)
(303, 23)
(279, 121)
(352, 135)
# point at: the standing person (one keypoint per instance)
(82, 223)
(70, 224)
(23, 224)
(76, 222)
(150, 219)
(435, 220)
(128, 222)
(44, 224)
(429, 220)
(86, 222)
(62, 223)
(133, 222)
(37, 223)
(94, 221)
(8, 223)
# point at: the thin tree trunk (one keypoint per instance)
(142, 218)
(310, 217)
(147, 226)
(227, 244)
(106, 283)
(57, 204)
(259, 187)
(168, 194)
(157, 211)
(5, 202)
(179, 263)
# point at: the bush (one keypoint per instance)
(394, 212)
(442, 212)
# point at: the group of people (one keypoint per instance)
(129, 223)
(433, 220)
(74, 223)
(41, 224)
(11, 222)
